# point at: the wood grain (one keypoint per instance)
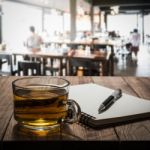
(114, 83)
(140, 85)
(89, 134)
(9, 130)
(6, 103)
(139, 130)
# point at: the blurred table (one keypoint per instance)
(136, 86)
(104, 58)
(94, 44)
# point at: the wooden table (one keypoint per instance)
(101, 57)
(95, 44)
(136, 86)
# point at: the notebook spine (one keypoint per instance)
(84, 118)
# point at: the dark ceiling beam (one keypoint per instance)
(120, 2)
(129, 9)
(141, 7)
(147, 7)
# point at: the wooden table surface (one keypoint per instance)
(136, 86)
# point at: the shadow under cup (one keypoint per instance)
(41, 103)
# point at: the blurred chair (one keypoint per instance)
(55, 65)
(88, 67)
(28, 68)
(6, 66)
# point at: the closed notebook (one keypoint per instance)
(126, 109)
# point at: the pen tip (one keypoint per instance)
(101, 108)
(100, 111)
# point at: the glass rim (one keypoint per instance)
(13, 82)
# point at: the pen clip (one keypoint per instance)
(117, 94)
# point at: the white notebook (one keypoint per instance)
(125, 109)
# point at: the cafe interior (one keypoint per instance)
(78, 37)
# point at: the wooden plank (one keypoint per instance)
(89, 134)
(139, 130)
(72, 132)
(114, 83)
(5, 115)
(6, 103)
(134, 131)
(140, 85)
(17, 133)
(69, 132)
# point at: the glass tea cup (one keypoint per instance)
(41, 103)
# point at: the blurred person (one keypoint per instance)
(33, 42)
(135, 41)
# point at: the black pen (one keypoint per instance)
(110, 100)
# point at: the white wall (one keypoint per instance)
(57, 4)
(53, 22)
(16, 21)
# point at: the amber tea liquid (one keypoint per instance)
(40, 107)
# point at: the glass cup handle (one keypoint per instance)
(74, 111)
